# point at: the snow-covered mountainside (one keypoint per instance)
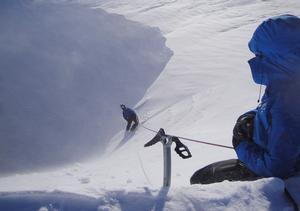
(64, 71)
(199, 94)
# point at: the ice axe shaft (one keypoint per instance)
(167, 162)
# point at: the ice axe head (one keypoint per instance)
(157, 138)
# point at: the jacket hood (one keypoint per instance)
(276, 45)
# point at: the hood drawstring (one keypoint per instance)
(261, 80)
(259, 95)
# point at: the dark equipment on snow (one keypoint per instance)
(231, 170)
(167, 141)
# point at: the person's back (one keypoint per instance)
(275, 150)
(128, 113)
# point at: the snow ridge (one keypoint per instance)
(64, 71)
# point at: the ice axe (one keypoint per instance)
(167, 141)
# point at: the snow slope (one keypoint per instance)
(199, 94)
(65, 69)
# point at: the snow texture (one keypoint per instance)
(199, 94)
(241, 196)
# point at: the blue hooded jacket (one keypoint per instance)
(275, 150)
(129, 114)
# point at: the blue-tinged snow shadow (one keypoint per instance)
(140, 200)
(127, 136)
(271, 188)
(44, 201)
(63, 201)
(161, 199)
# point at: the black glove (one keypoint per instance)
(243, 128)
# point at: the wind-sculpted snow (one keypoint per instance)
(64, 70)
(241, 196)
(199, 95)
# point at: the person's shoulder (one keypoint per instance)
(128, 110)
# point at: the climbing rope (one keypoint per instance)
(143, 169)
(189, 139)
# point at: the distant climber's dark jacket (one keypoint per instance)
(276, 135)
(129, 114)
